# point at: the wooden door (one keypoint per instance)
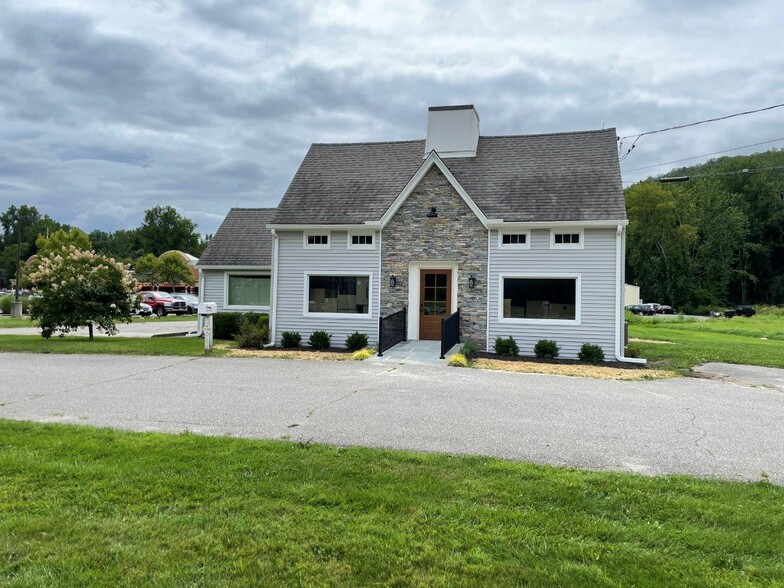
(435, 301)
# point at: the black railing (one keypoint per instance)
(450, 332)
(392, 330)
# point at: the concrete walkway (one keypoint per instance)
(696, 426)
(415, 353)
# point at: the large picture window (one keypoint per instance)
(248, 290)
(339, 294)
(540, 298)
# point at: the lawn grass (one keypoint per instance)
(7, 322)
(102, 344)
(758, 340)
(82, 506)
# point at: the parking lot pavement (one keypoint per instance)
(685, 426)
(749, 375)
(149, 328)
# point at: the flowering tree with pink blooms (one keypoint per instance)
(81, 288)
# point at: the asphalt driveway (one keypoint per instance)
(708, 427)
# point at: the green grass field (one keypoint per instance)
(82, 507)
(7, 322)
(758, 340)
(193, 346)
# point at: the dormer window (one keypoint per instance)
(566, 239)
(316, 240)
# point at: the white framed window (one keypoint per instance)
(361, 240)
(567, 239)
(337, 294)
(514, 239)
(539, 299)
(316, 239)
(244, 290)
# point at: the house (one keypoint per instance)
(524, 234)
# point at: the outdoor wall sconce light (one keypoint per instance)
(471, 281)
(432, 213)
(392, 281)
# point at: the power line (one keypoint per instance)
(704, 155)
(716, 175)
(693, 124)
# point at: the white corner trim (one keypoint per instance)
(431, 160)
(579, 231)
(274, 290)
(619, 309)
(312, 233)
(502, 232)
(577, 321)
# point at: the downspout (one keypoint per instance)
(619, 257)
(274, 294)
(487, 289)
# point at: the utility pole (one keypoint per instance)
(16, 305)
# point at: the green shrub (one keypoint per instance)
(356, 341)
(320, 340)
(226, 325)
(591, 353)
(5, 303)
(468, 347)
(546, 349)
(506, 346)
(632, 351)
(458, 360)
(254, 332)
(290, 339)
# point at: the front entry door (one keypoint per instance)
(435, 301)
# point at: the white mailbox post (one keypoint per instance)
(206, 311)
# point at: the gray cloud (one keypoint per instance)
(110, 108)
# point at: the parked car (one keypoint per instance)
(665, 309)
(191, 300)
(634, 308)
(144, 309)
(648, 309)
(162, 303)
(744, 310)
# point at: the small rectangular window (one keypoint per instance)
(515, 240)
(318, 240)
(360, 240)
(571, 239)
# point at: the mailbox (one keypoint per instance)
(207, 308)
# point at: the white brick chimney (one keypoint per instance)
(452, 131)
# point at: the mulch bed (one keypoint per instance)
(311, 349)
(556, 361)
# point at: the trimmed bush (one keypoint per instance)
(254, 332)
(458, 360)
(356, 341)
(363, 354)
(290, 339)
(320, 340)
(546, 349)
(468, 347)
(590, 353)
(5, 304)
(506, 346)
(227, 325)
(632, 351)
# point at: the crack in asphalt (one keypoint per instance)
(112, 380)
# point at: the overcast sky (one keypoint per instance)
(110, 108)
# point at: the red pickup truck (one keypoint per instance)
(162, 303)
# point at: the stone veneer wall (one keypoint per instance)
(455, 236)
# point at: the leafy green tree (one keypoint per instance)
(149, 266)
(123, 244)
(173, 269)
(81, 288)
(61, 240)
(164, 229)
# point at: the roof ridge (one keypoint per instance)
(584, 132)
(259, 209)
(373, 143)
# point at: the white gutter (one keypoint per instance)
(274, 293)
(619, 249)
(590, 224)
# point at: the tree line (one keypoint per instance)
(163, 229)
(714, 240)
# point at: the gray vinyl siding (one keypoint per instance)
(214, 289)
(596, 266)
(294, 261)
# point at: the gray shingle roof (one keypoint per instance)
(535, 178)
(242, 239)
